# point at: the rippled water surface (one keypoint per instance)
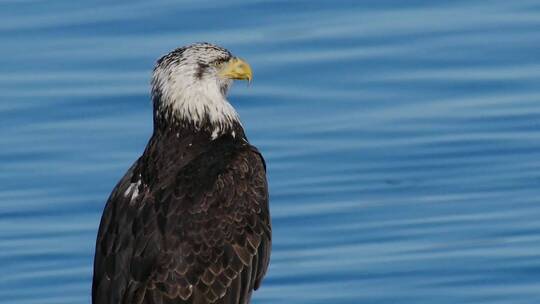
(402, 140)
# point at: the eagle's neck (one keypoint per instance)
(173, 130)
(199, 105)
(195, 116)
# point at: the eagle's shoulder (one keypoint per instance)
(112, 243)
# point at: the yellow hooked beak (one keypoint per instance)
(236, 68)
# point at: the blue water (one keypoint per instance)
(402, 140)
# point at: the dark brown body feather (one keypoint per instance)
(197, 229)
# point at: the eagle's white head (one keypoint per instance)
(190, 85)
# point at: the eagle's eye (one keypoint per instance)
(218, 63)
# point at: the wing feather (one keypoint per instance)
(199, 235)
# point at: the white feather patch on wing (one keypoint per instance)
(133, 190)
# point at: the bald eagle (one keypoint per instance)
(189, 222)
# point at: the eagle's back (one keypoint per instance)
(188, 223)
